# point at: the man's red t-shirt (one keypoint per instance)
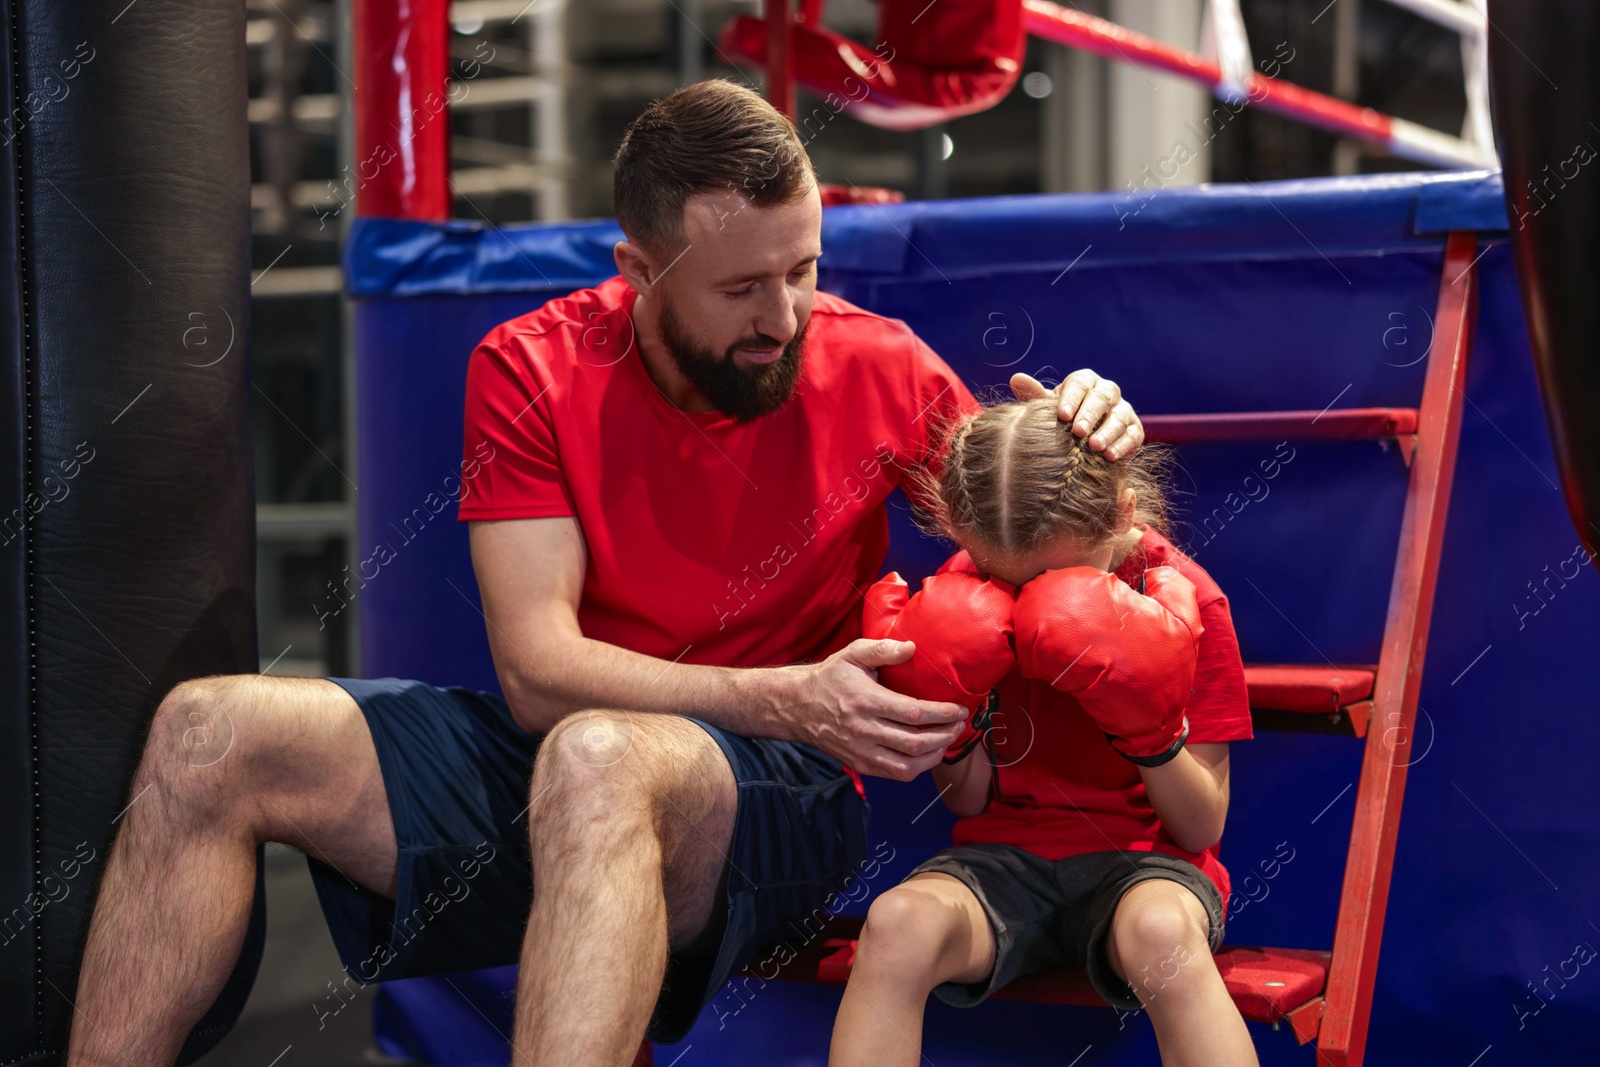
(709, 542)
(1063, 789)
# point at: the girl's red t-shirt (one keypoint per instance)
(1063, 789)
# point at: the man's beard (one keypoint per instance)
(740, 394)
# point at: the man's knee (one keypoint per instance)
(245, 737)
(602, 770)
(585, 743)
(586, 780)
(186, 759)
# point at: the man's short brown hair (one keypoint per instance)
(713, 135)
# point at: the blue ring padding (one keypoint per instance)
(1266, 220)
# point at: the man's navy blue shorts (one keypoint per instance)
(457, 771)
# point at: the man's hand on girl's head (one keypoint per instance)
(1091, 404)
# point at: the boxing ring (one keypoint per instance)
(1313, 295)
(127, 554)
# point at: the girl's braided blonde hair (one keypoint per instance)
(1015, 477)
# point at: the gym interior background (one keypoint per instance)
(542, 92)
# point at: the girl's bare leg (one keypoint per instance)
(1159, 946)
(927, 930)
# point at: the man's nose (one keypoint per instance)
(777, 318)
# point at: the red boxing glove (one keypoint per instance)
(1128, 658)
(961, 625)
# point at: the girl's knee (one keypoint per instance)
(1159, 940)
(904, 929)
(927, 931)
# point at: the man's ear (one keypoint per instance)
(635, 265)
(1127, 505)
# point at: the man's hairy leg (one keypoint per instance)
(230, 762)
(630, 825)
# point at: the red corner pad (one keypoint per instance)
(932, 63)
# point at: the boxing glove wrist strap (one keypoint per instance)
(1159, 758)
(980, 724)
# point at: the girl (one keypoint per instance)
(1105, 679)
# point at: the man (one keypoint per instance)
(680, 495)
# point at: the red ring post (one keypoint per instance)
(401, 100)
(780, 51)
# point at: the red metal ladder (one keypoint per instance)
(1324, 996)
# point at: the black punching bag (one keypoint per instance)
(127, 528)
(1545, 87)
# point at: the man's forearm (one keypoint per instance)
(574, 673)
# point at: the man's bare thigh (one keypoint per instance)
(305, 767)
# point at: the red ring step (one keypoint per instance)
(1306, 688)
(1266, 983)
(1337, 424)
